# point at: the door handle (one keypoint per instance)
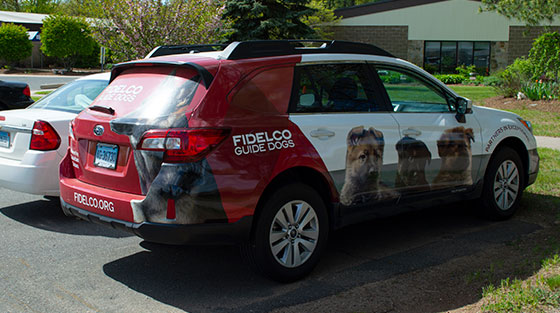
(322, 133)
(411, 132)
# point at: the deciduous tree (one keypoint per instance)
(532, 12)
(131, 29)
(321, 20)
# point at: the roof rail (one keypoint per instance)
(179, 49)
(268, 48)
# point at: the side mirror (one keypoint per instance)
(463, 107)
(307, 100)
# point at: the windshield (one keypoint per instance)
(72, 97)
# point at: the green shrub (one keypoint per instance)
(450, 78)
(14, 43)
(545, 55)
(491, 81)
(66, 38)
(515, 76)
(393, 77)
(466, 71)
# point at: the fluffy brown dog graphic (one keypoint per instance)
(411, 168)
(454, 149)
(364, 159)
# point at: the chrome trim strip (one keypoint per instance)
(15, 129)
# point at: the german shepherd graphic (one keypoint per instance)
(364, 159)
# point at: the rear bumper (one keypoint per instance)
(210, 233)
(36, 173)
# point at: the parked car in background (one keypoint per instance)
(34, 140)
(14, 95)
(272, 144)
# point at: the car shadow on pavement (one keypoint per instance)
(46, 214)
(214, 279)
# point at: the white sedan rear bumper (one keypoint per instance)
(35, 173)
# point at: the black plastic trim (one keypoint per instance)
(207, 77)
(207, 233)
(180, 49)
(269, 48)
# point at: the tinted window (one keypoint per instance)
(410, 94)
(334, 88)
(267, 91)
(72, 97)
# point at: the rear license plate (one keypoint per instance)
(4, 139)
(106, 156)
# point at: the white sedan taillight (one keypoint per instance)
(44, 137)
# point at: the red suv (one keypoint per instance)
(272, 144)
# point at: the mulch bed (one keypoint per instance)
(501, 102)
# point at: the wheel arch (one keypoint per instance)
(303, 174)
(518, 146)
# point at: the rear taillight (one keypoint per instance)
(44, 137)
(27, 91)
(182, 145)
(2, 118)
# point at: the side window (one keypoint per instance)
(334, 88)
(409, 94)
(267, 92)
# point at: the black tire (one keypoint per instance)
(504, 182)
(285, 265)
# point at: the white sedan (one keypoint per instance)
(34, 140)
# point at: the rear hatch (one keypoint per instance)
(16, 127)
(139, 99)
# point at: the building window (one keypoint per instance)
(445, 56)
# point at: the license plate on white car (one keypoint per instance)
(4, 139)
(106, 156)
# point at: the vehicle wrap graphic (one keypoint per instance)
(500, 133)
(454, 149)
(363, 180)
(364, 161)
(414, 155)
(184, 193)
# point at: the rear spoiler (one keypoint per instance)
(206, 76)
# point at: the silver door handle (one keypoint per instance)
(322, 133)
(410, 132)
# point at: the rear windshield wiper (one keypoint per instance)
(103, 109)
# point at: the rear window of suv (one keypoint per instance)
(150, 93)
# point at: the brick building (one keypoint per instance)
(439, 35)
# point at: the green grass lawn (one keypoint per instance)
(541, 291)
(40, 94)
(44, 92)
(475, 93)
(544, 123)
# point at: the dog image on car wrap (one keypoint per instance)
(414, 156)
(190, 186)
(364, 161)
(454, 149)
